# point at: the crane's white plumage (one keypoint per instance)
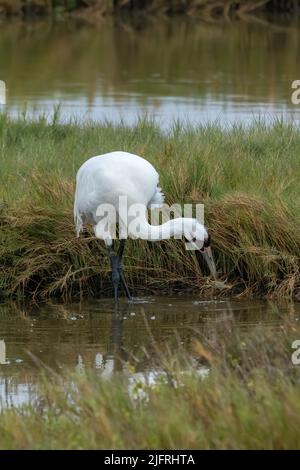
(104, 178)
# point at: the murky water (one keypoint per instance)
(167, 68)
(98, 335)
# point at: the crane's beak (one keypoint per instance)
(208, 256)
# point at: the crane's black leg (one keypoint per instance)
(115, 274)
(122, 277)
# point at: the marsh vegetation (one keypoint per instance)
(247, 178)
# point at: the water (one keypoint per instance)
(167, 68)
(94, 334)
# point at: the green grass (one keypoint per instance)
(248, 179)
(249, 400)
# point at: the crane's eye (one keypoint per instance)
(194, 239)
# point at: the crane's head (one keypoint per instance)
(199, 239)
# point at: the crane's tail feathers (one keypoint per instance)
(77, 219)
(157, 199)
(78, 224)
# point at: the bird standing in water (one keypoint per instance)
(102, 181)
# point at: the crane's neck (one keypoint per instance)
(142, 229)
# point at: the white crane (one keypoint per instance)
(103, 180)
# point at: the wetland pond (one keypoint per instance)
(96, 334)
(168, 69)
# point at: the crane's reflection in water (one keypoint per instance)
(112, 340)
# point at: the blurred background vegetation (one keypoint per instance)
(107, 7)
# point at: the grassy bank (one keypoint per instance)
(205, 8)
(248, 179)
(249, 400)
